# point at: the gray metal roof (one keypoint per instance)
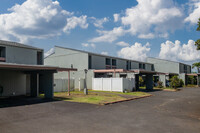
(102, 55)
(167, 60)
(15, 44)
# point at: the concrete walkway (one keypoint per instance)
(165, 112)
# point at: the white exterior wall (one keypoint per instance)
(14, 83)
(113, 84)
(20, 55)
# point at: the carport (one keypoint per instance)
(148, 78)
(19, 79)
(165, 77)
(197, 75)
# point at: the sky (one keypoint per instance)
(133, 29)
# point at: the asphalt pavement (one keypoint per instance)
(164, 112)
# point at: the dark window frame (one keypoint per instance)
(140, 65)
(108, 61)
(144, 66)
(114, 62)
(2, 52)
(90, 62)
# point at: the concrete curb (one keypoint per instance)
(129, 99)
(171, 90)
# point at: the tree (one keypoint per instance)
(197, 43)
(197, 65)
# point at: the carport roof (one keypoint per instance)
(192, 74)
(138, 71)
(25, 67)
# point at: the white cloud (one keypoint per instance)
(34, 19)
(177, 52)
(85, 44)
(146, 36)
(116, 17)
(89, 45)
(135, 52)
(51, 51)
(148, 19)
(104, 53)
(109, 36)
(157, 16)
(122, 44)
(73, 22)
(195, 14)
(99, 22)
(93, 45)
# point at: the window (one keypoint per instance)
(2, 54)
(152, 68)
(114, 62)
(127, 66)
(90, 62)
(107, 61)
(185, 69)
(143, 66)
(140, 66)
(39, 58)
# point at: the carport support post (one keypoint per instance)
(68, 83)
(48, 83)
(137, 82)
(34, 84)
(149, 81)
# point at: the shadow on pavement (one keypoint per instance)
(145, 90)
(22, 100)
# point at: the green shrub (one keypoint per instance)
(181, 83)
(141, 81)
(160, 84)
(175, 82)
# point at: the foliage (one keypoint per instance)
(192, 80)
(160, 84)
(141, 81)
(175, 82)
(197, 43)
(198, 28)
(197, 65)
(181, 83)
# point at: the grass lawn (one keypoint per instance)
(97, 97)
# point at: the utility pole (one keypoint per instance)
(85, 86)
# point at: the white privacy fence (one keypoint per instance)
(62, 85)
(113, 84)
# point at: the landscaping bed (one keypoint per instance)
(99, 97)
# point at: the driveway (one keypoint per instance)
(165, 112)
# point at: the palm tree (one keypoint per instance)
(197, 43)
(197, 65)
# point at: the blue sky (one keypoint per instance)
(126, 28)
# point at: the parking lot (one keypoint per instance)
(164, 112)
